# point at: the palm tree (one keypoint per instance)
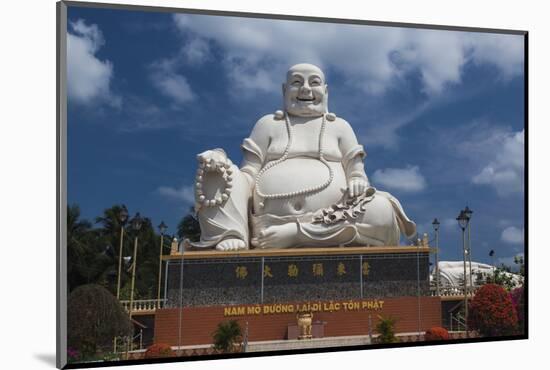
(90, 257)
(76, 230)
(110, 231)
(148, 260)
(227, 335)
(79, 240)
(93, 252)
(110, 220)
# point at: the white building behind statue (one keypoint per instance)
(451, 273)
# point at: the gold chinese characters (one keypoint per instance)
(285, 308)
(317, 269)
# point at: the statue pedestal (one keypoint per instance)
(274, 276)
(346, 289)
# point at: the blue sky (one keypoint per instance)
(440, 113)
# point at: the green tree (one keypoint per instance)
(110, 233)
(502, 276)
(77, 230)
(94, 318)
(228, 334)
(77, 246)
(518, 260)
(86, 257)
(110, 220)
(189, 227)
(93, 253)
(147, 260)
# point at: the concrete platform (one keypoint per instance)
(281, 345)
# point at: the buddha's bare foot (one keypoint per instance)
(278, 236)
(231, 245)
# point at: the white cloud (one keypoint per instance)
(183, 193)
(196, 51)
(170, 83)
(505, 223)
(88, 78)
(512, 235)
(446, 225)
(258, 51)
(505, 169)
(449, 223)
(405, 179)
(504, 52)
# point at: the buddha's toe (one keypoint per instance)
(231, 245)
(240, 245)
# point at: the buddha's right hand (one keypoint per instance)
(215, 157)
(206, 190)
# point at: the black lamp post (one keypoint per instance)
(435, 225)
(137, 221)
(468, 212)
(122, 217)
(463, 223)
(162, 228)
(123, 214)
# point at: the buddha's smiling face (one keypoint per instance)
(305, 91)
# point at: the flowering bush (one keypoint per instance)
(159, 350)
(492, 312)
(72, 355)
(436, 333)
(519, 306)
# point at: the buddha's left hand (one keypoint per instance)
(357, 186)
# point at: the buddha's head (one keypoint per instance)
(305, 91)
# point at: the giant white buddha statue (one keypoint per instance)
(302, 182)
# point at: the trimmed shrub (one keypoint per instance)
(94, 318)
(158, 350)
(492, 312)
(386, 329)
(436, 333)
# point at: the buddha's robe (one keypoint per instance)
(375, 218)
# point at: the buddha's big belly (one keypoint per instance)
(294, 175)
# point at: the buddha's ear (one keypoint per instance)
(284, 88)
(325, 99)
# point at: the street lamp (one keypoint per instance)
(122, 217)
(136, 225)
(463, 223)
(162, 227)
(468, 212)
(492, 255)
(436, 224)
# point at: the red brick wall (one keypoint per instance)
(198, 323)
